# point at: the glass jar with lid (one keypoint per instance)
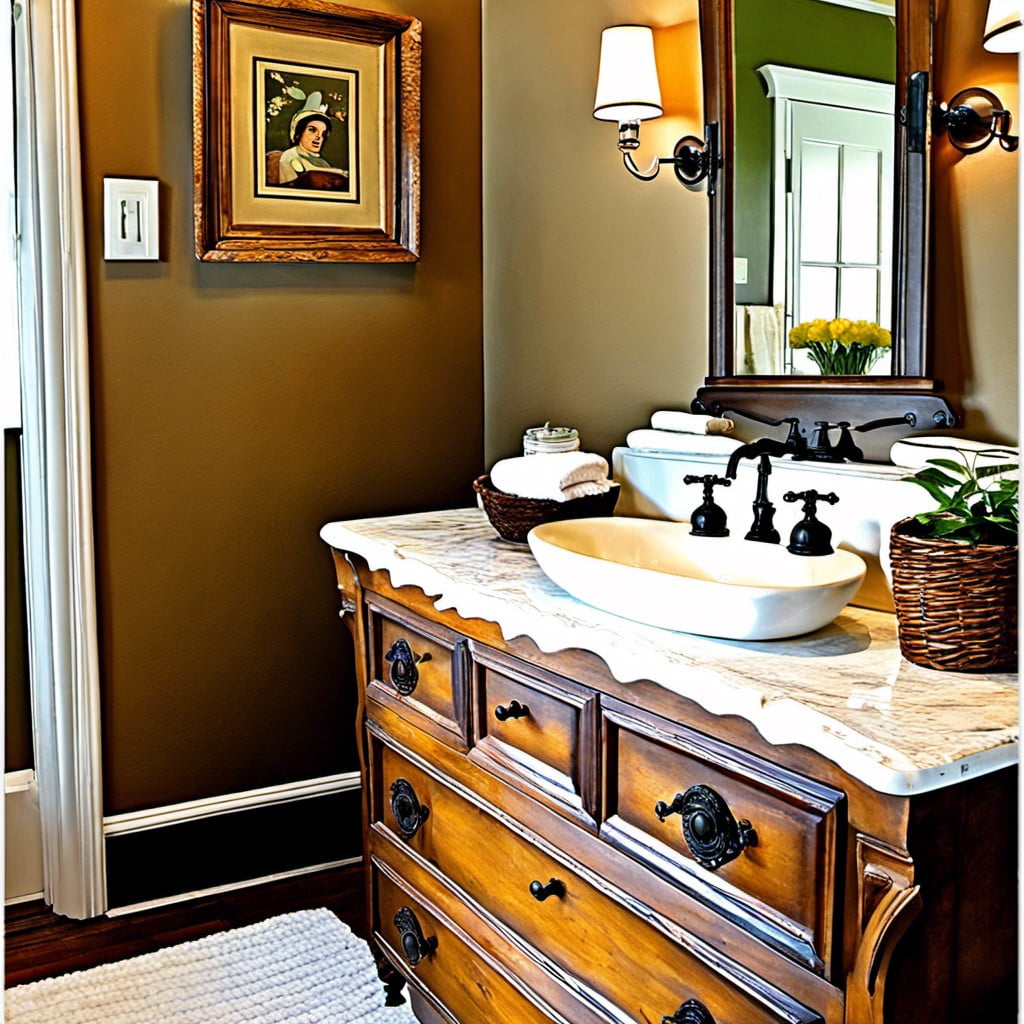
(548, 439)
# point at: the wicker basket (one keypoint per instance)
(956, 605)
(514, 517)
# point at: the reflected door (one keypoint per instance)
(838, 211)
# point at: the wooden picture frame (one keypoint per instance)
(306, 132)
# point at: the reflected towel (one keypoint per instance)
(551, 476)
(690, 423)
(672, 441)
(761, 338)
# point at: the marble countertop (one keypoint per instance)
(844, 691)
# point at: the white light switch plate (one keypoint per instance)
(739, 272)
(131, 219)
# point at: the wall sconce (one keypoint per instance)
(1003, 30)
(628, 93)
(975, 116)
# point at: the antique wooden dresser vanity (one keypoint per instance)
(793, 832)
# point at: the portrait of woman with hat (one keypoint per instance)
(302, 165)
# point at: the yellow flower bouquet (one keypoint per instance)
(841, 347)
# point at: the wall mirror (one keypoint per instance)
(821, 210)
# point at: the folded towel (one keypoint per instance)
(671, 441)
(549, 476)
(690, 423)
(914, 453)
(587, 489)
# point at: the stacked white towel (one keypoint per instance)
(914, 453)
(559, 476)
(674, 441)
(690, 423)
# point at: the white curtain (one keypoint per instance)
(63, 658)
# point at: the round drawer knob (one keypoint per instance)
(693, 1011)
(404, 673)
(408, 811)
(541, 892)
(713, 835)
(513, 709)
(414, 945)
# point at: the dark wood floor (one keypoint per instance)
(39, 944)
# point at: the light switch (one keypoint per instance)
(739, 270)
(131, 219)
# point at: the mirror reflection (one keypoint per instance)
(813, 186)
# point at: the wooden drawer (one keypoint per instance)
(420, 669)
(781, 882)
(537, 731)
(609, 951)
(453, 971)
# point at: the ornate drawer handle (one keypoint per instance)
(541, 892)
(414, 945)
(691, 1012)
(408, 811)
(404, 674)
(711, 832)
(513, 709)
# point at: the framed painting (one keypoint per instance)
(306, 132)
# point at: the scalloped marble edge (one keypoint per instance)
(780, 720)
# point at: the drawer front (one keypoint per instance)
(537, 731)
(755, 841)
(419, 669)
(600, 940)
(446, 966)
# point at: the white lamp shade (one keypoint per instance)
(627, 82)
(1003, 30)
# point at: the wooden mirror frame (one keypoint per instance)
(909, 389)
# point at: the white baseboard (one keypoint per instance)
(167, 901)
(193, 810)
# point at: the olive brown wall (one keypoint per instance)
(595, 283)
(237, 408)
(595, 304)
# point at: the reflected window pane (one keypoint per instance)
(860, 205)
(858, 296)
(819, 202)
(817, 298)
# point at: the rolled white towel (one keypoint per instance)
(549, 476)
(690, 423)
(672, 441)
(914, 453)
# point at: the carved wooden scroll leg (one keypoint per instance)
(889, 902)
(393, 983)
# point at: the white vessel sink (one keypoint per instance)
(658, 573)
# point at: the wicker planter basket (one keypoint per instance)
(514, 517)
(956, 605)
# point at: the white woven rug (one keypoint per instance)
(301, 968)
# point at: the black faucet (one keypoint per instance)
(708, 519)
(762, 528)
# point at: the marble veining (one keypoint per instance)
(845, 690)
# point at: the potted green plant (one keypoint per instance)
(954, 567)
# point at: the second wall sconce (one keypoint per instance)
(975, 116)
(628, 92)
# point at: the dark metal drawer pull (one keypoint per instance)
(414, 945)
(711, 832)
(408, 811)
(513, 709)
(541, 892)
(404, 674)
(691, 1012)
